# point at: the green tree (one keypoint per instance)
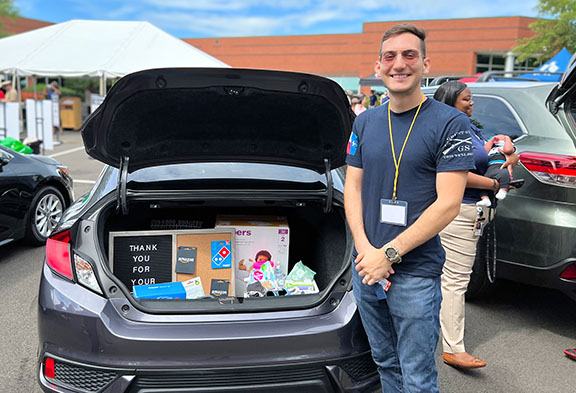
(551, 34)
(7, 10)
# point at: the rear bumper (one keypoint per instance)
(536, 237)
(73, 377)
(87, 335)
(546, 277)
(536, 232)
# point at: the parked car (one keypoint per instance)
(533, 236)
(34, 192)
(182, 147)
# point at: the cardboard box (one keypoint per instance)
(256, 237)
(167, 290)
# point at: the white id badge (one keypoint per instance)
(394, 212)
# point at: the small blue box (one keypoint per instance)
(167, 290)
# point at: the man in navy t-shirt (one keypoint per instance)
(407, 168)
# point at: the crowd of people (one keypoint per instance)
(8, 92)
(358, 101)
(422, 183)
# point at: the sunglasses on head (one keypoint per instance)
(409, 56)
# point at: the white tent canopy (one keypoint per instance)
(105, 49)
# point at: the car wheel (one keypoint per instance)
(45, 211)
(480, 285)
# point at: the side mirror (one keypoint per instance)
(3, 161)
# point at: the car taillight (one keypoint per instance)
(569, 273)
(58, 254)
(556, 169)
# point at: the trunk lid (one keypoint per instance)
(564, 89)
(179, 115)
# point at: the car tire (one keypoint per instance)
(45, 211)
(480, 285)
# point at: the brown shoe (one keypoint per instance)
(455, 361)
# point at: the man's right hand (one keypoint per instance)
(372, 265)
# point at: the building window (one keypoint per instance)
(496, 61)
(489, 62)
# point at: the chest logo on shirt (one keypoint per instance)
(458, 144)
(352, 144)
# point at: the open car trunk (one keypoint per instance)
(319, 239)
(165, 118)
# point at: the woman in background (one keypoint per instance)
(459, 238)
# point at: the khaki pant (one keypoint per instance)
(459, 242)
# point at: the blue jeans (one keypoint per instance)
(403, 330)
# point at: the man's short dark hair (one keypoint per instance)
(405, 28)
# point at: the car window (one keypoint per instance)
(493, 116)
(109, 178)
(4, 155)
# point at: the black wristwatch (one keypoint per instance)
(392, 253)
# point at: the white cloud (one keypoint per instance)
(215, 25)
(448, 9)
(229, 5)
(122, 12)
(198, 18)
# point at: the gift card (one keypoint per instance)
(221, 254)
(219, 287)
(193, 288)
(186, 260)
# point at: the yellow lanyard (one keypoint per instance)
(397, 163)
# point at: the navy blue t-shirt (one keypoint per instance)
(473, 195)
(440, 141)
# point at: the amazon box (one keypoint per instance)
(167, 290)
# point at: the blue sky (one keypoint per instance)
(238, 18)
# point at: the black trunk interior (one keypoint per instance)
(318, 239)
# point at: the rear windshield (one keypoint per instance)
(210, 171)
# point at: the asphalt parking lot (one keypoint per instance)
(520, 330)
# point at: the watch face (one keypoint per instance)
(391, 253)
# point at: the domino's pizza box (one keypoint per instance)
(256, 239)
(167, 290)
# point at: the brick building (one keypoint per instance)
(12, 26)
(455, 47)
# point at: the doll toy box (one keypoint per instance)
(257, 239)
